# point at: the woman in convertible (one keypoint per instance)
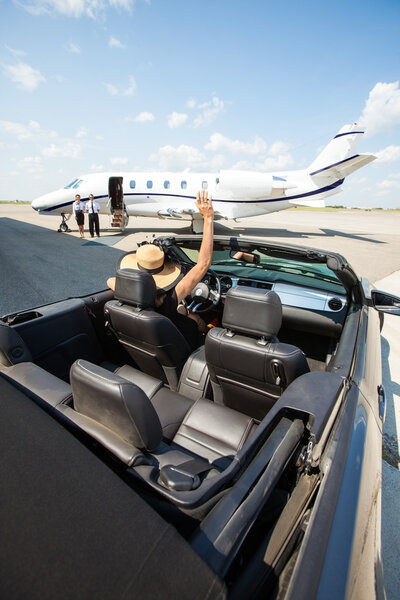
(172, 287)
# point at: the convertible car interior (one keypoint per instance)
(224, 443)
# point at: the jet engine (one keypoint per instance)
(244, 184)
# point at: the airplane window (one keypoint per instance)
(77, 184)
(149, 184)
(166, 185)
(204, 185)
(70, 184)
(132, 184)
(183, 185)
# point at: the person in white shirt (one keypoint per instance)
(93, 209)
(77, 208)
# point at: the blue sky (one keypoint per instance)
(120, 85)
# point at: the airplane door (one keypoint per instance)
(116, 193)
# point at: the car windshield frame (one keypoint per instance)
(273, 263)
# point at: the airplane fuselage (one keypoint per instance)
(173, 194)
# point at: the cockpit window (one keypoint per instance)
(70, 184)
(77, 184)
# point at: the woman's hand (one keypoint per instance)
(204, 205)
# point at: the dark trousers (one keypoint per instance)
(94, 224)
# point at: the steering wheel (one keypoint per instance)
(205, 295)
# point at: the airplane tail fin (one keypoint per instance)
(339, 158)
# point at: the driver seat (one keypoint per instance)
(153, 341)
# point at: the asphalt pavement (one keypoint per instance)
(39, 265)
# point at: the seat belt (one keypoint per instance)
(184, 477)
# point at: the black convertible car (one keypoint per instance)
(134, 467)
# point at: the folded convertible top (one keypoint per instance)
(71, 528)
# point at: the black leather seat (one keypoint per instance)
(152, 340)
(171, 442)
(249, 368)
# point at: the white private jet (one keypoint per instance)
(236, 194)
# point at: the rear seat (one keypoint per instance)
(119, 415)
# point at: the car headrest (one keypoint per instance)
(135, 287)
(115, 403)
(252, 311)
(13, 349)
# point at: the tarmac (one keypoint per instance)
(370, 241)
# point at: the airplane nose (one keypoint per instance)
(52, 203)
(36, 203)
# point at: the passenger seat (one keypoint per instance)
(249, 368)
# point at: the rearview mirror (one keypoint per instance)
(386, 303)
(248, 257)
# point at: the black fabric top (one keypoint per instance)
(70, 528)
(187, 326)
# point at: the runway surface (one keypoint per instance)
(39, 265)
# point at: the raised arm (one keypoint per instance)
(196, 273)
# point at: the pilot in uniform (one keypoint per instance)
(93, 209)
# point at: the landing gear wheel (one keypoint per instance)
(206, 295)
(63, 225)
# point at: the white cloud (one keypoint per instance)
(143, 117)
(97, 168)
(132, 87)
(114, 43)
(111, 89)
(81, 133)
(114, 91)
(209, 112)
(121, 160)
(176, 120)
(26, 77)
(278, 148)
(191, 103)
(124, 4)
(382, 108)
(221, 143)
(269, 163)
(23, 132)
(73, 48)
(389, 184)
(75, 8)
(66, 149)
(176, 159)
(14, 51)
(275, 163)
(387, 155)
(31, 164)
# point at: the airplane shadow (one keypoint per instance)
(284, 233)
(237, 231)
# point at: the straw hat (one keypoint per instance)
(151, 259)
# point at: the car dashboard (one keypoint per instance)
(290, 295)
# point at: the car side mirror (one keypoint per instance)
(386, 303)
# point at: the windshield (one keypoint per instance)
(70, 184)
(74, 184)
(260, 265)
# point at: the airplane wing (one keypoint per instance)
(342, 169)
